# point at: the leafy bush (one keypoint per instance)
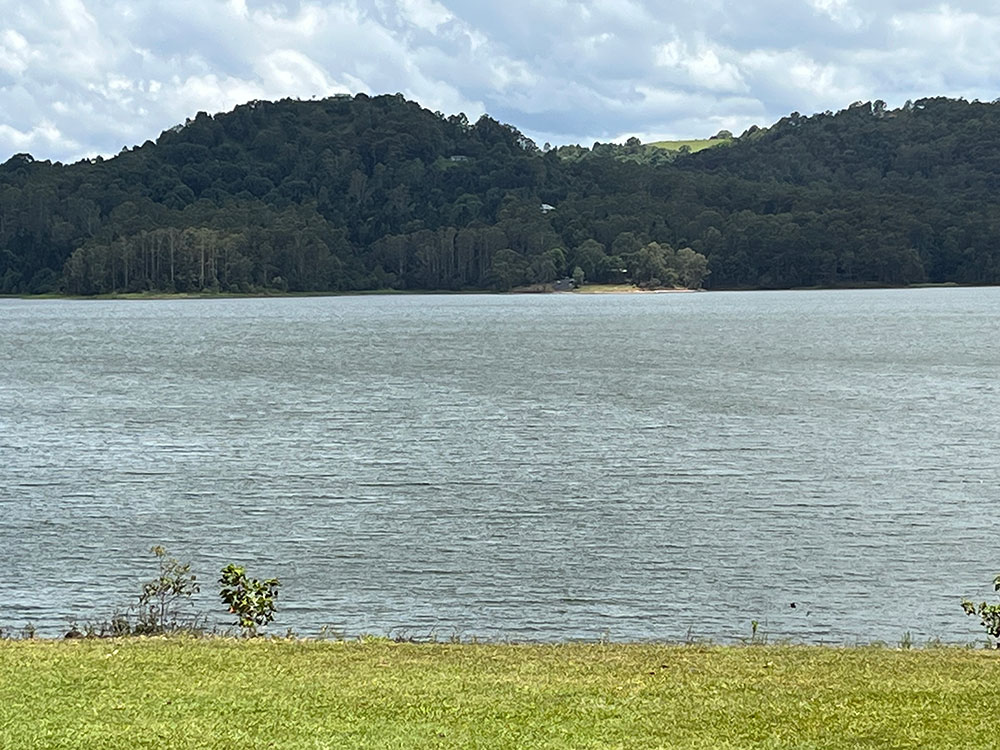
(989, 614)
(161, 599)
(251, 600)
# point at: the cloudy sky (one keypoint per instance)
(86, 77)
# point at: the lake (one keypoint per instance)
(538, 468)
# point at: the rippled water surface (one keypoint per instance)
(523, 467)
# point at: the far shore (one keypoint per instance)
(530, 289)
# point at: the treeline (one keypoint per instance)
(354, 193)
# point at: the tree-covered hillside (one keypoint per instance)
(354, 193)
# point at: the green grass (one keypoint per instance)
(223, 693)
(697, 144)
(622, 288)
(606, 288)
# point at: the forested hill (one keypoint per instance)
(361, 192)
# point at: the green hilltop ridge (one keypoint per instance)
(694, 145)
(366, 193)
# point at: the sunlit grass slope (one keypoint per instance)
(699, 144)
(291, 694)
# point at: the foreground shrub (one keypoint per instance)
(988, 614)
(162, 598)
(251, 600)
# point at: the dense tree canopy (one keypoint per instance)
(352, 193)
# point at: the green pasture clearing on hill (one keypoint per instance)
(226, 693)
(697, 144)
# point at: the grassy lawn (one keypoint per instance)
(606, 288)
(698, 144)
(622, 288)
(291, 694)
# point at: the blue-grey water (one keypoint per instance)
(512, 467)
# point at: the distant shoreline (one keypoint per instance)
(525, 290)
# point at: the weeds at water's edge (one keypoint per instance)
(104, 630)
(162, 606)
(252, 602)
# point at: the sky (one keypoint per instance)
(80, 78)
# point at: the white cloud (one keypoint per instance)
(15, 53)
(839, 11)
(701, 65)
(425, 14)
(43, 136)
(816, 85)
(90, 76)
(291, 71)
(963, 40)
(238, 8)
(307, 23)
(207, 93)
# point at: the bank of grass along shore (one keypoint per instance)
(374, 693)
